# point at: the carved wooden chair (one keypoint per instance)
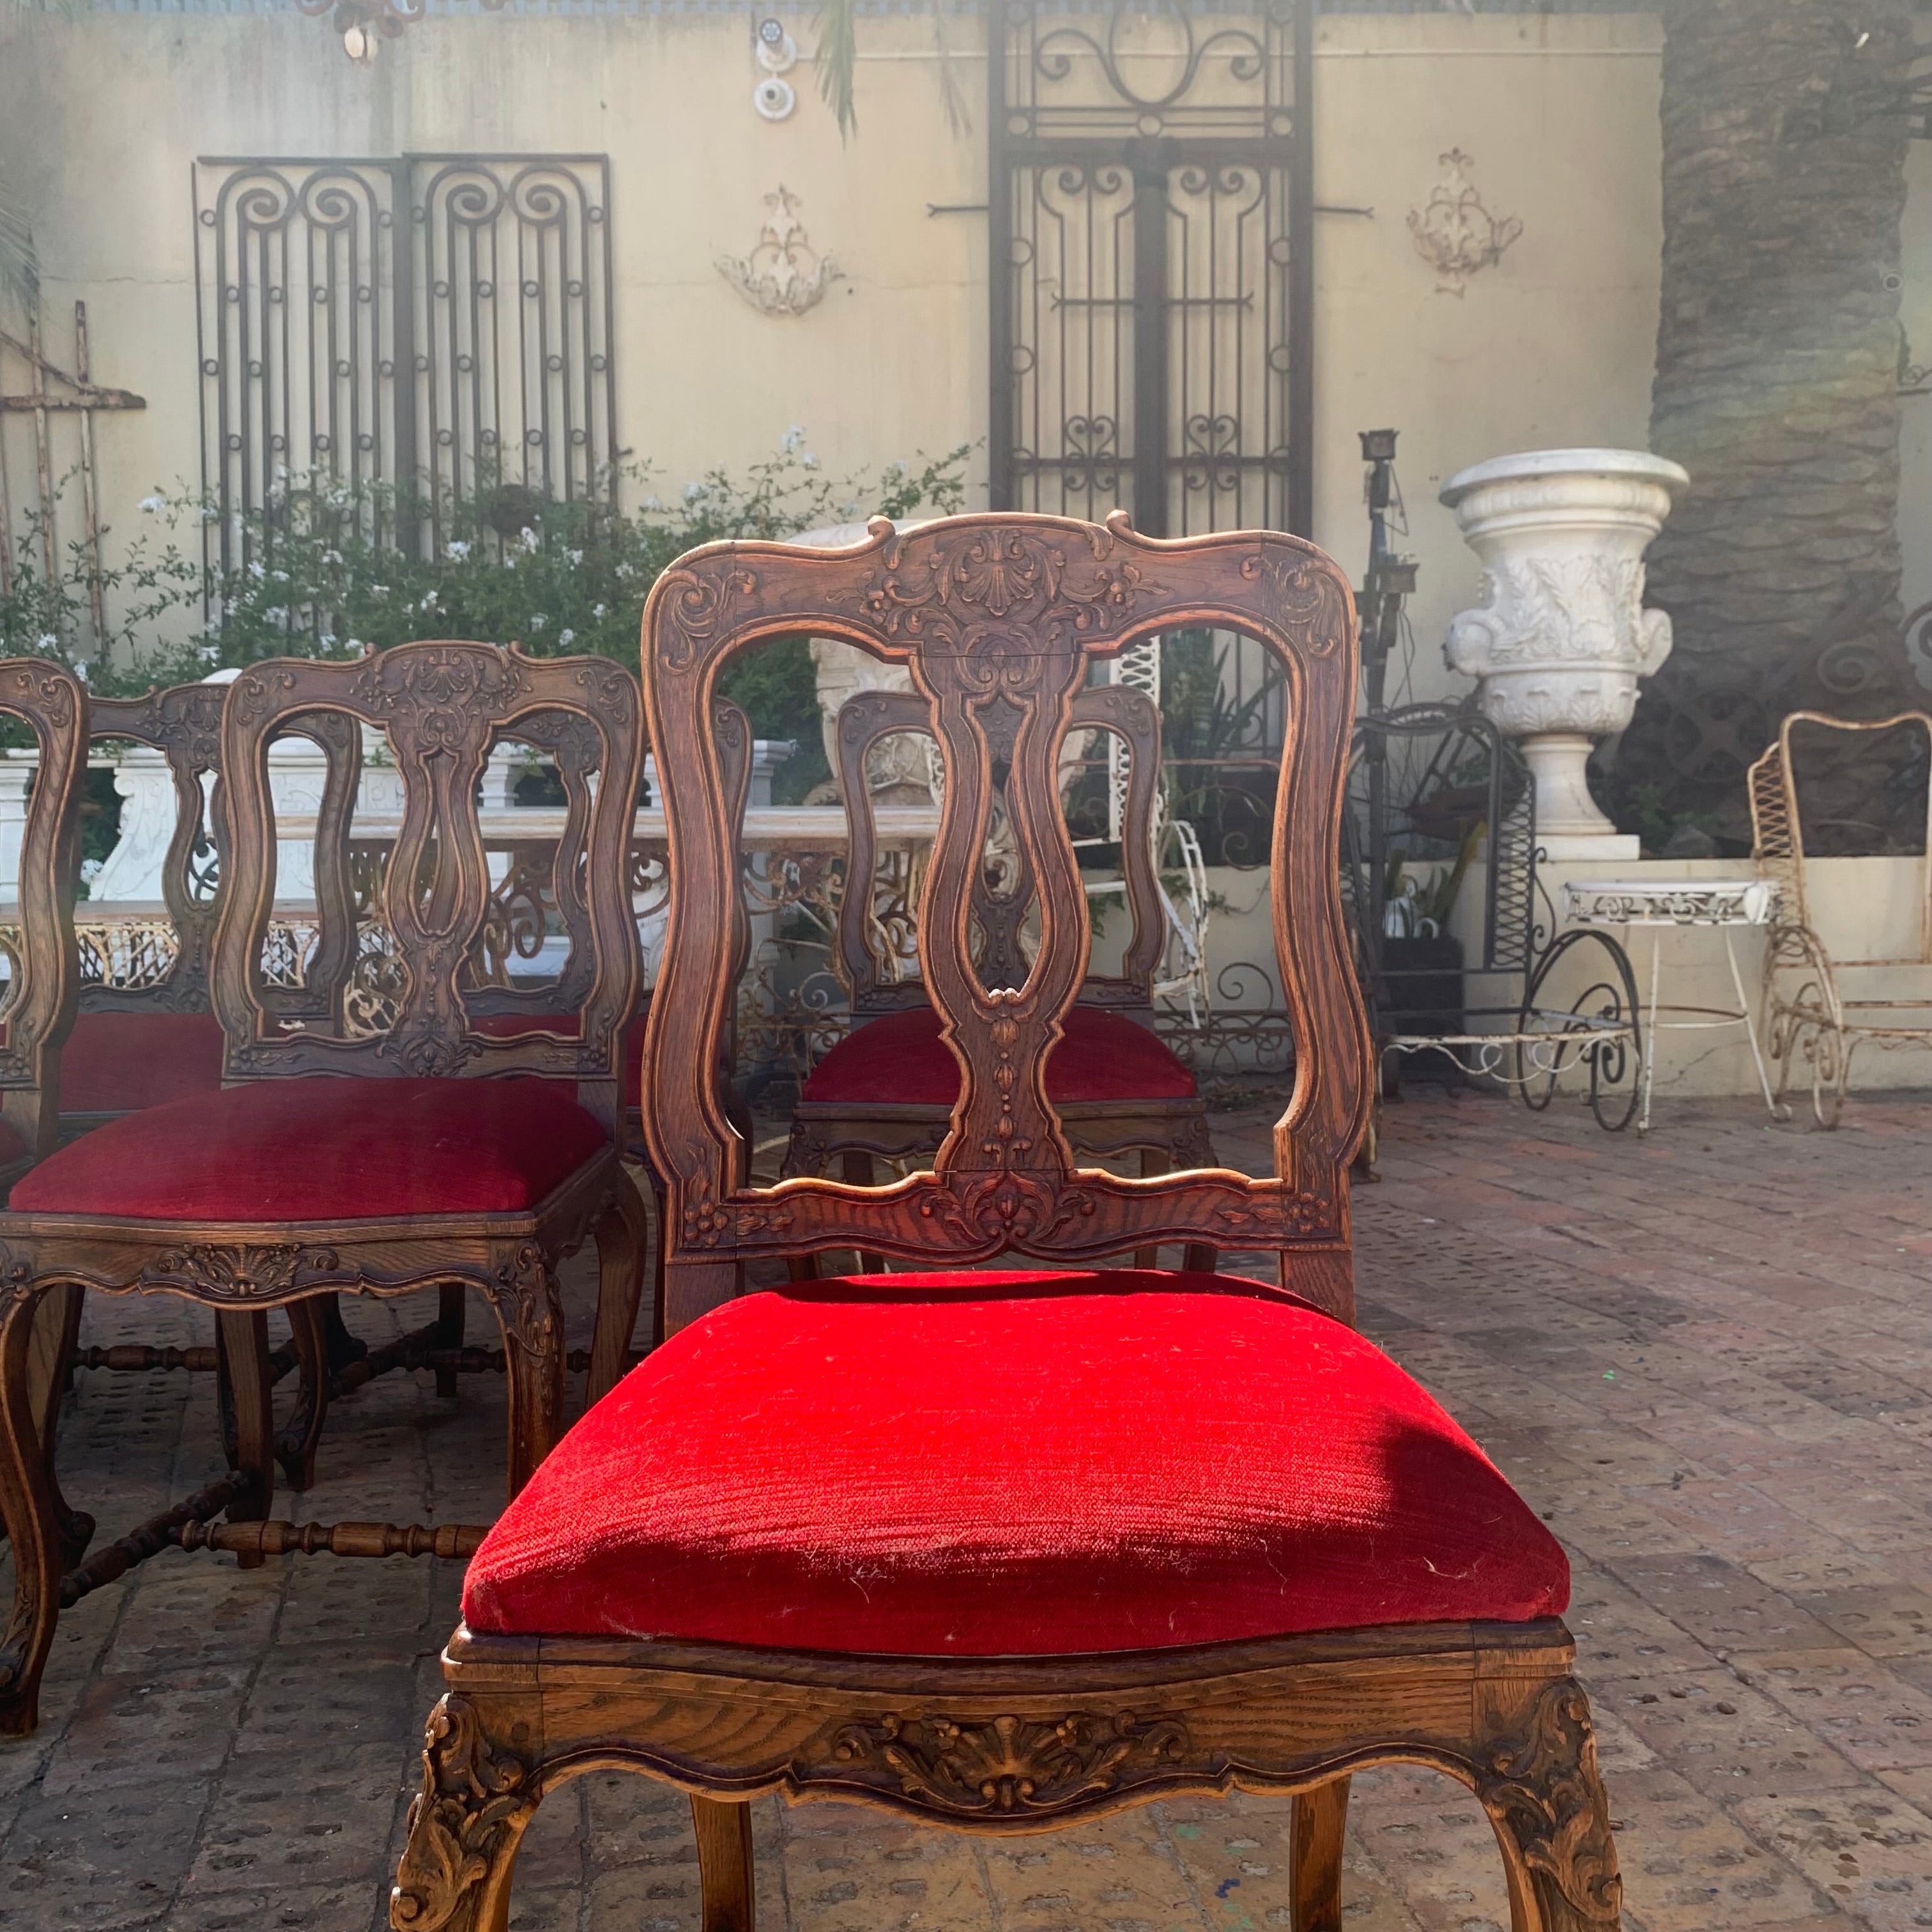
(1004, 1550)
(38, 1003)
(887, 1089)
(146, 1033)
(457, 1155)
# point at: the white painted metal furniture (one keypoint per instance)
(1866, 790)
(1659, 904)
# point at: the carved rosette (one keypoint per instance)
(475, 1802)
(1004, 1766)
(1562, 636)
(1544, 1791)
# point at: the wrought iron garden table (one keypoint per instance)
(1723, 904)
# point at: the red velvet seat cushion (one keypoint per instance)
(323, 1149)
(1011, 1465)
(901, 1059)
(114, 1062)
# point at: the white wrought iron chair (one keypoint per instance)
(1819, 1009)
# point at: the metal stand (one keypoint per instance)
(1722, 905)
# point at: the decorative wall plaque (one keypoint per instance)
(783, 274)
(1454, 232)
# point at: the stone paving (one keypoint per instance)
(1706, 1357)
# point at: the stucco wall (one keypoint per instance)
(101, 116)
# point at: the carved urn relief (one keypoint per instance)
(1562, 636)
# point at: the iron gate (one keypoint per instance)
(470, 351)
(1150, 204)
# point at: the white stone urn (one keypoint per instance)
(1561, 636)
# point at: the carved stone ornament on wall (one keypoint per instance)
(783, 274)
(1453, 233)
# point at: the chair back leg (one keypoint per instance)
(247, 1387)
(449, 1311)
(623, 1241)
(723, 1864)
(1318, 1824)
(295, 1441)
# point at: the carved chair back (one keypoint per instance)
(437, 709)
(183, 723)
(42, 991)
(1002, 906)
(1780, 790)
(998, 618)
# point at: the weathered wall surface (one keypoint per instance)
(102, 115)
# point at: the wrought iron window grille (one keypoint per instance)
(422, 331)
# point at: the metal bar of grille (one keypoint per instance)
(353, 322)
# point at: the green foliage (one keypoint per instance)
(1217, 780)
(46, 614)
(328, 570)
(1436, 887)
(838, 58)
(778, 685)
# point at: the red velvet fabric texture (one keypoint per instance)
(11, 1145)
(900, 1058)
(1002, 1465)
(115, 1062)
(322, 1149)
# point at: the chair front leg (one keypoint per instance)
(623, 1241)
(50, 1363)
(523, 1290)
(27, 1505)
(478, 1796)
(1537, 1777)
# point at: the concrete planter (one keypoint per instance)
(1561, 636)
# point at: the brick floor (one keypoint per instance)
(1706, 1357)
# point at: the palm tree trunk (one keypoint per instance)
(1784, 141)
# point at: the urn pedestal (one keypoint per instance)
(1561, 636)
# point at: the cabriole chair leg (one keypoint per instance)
(529, 1311)
(1538, 1781)
(56, 1333)
(27, 1503)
